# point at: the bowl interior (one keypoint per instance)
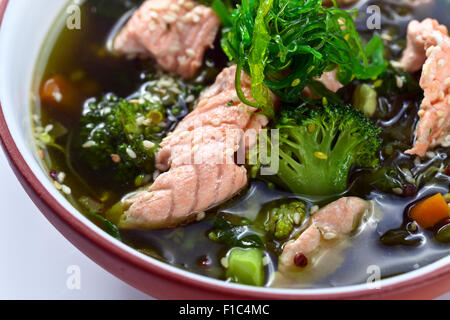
(25, 27)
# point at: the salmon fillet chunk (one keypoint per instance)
(174, 32)
(421, 36)
(333, 221)
(199, 156)
(429, 49)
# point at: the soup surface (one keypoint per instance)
(82, 67)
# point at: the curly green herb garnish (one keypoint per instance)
(285, 45)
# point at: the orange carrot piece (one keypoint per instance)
(430, 211)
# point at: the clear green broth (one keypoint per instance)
(81, 57)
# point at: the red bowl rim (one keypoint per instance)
(42, 197)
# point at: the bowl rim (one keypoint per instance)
(43, 198)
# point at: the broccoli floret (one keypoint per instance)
(281, 219)
(118, 138)
(319, 146)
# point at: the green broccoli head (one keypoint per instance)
(319, 146)
(280, 219)
(118, 138)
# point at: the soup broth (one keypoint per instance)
(82, 59)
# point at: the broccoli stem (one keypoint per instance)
(245, 266)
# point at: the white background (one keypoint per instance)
(34, 256)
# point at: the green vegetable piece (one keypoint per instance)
(365, 99)
(234, 233)
(107, 225)
(118, 138)
(443, 235)
(284, 45)
(281, 219)
(115, 213)
(245, 266)
(319, 146)
(400, 236)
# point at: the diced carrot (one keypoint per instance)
(430, 211)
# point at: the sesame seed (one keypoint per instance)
(417, 161)
(140, 120)
(229, 151)
(57, 185)
(296, 218)
(148, 144)
(224, 262)
(215, 122)
(441, 62)
(169, 18)
(190, 53)
(153, 14)
(314, 209)
(195, 18)
(320, 155)
(131, 153)
(61, 177)
(378, 83)
(156, 174)
(190, 98)
(184, 134)
(198, 10)
(421, 113)
(88, 144)
(182, 60)
(430, 154)
(397, 191)
(265, 260)
(48, 128)
(174, 49)
(329, 235)
(386, 36)
(295, 82)
(188, 5)
(200, 216)
(57, 96)
(399, 81)
(174, 7)
(66, 189)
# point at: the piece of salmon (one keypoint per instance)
(429, 48)
(329, 80)
(330, 223)
(175, 32)
(199, 156)
(421, 36)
